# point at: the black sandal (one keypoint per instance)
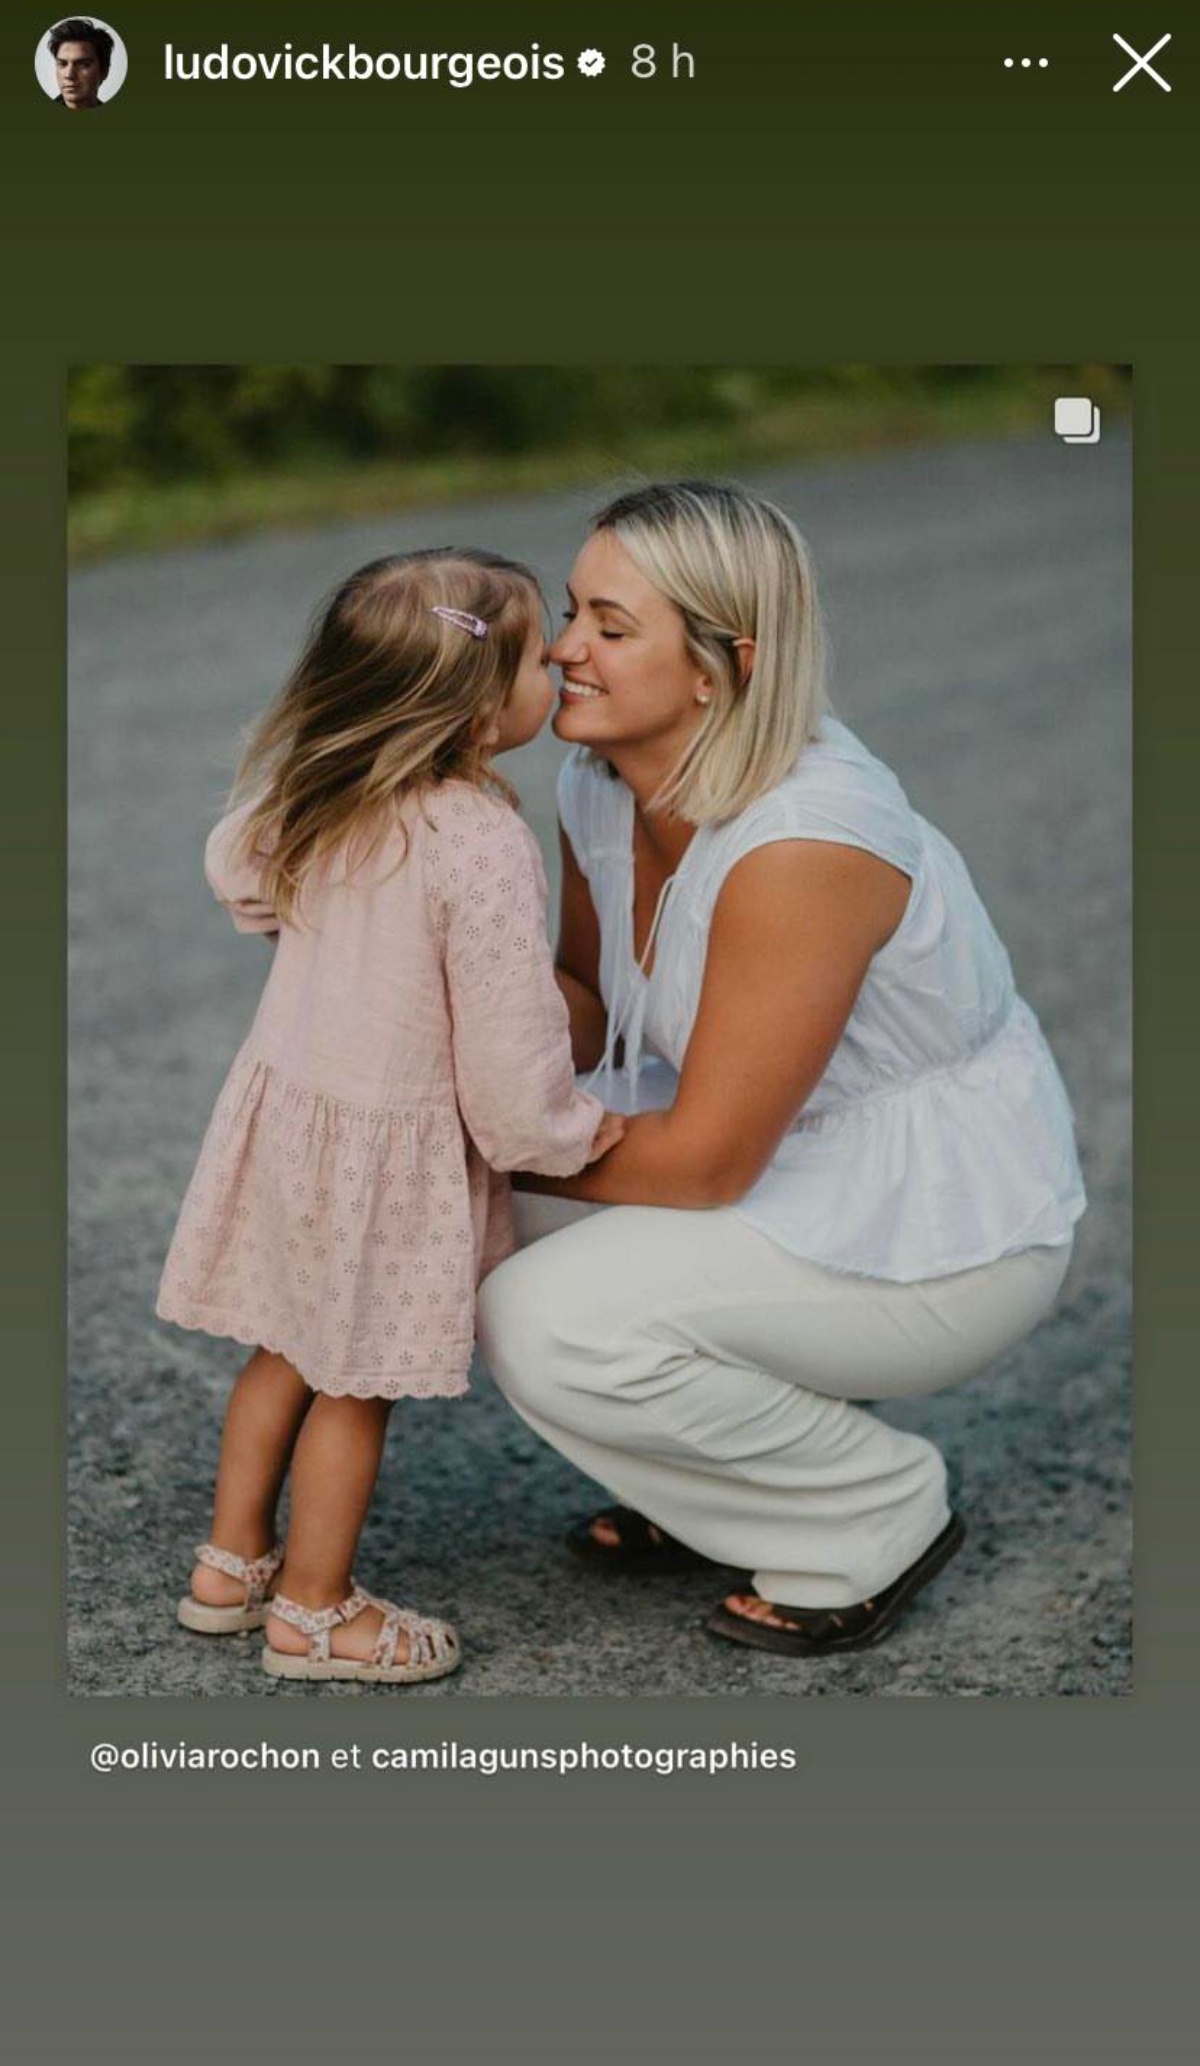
(827, 1631)
(642, 1546)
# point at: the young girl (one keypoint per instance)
(410, 1042)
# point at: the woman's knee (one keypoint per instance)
(550, 1336)
(516, 1338)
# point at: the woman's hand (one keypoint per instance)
(610, 1130)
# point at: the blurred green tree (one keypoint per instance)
(162, 424)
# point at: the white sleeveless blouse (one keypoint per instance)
(940, 1136)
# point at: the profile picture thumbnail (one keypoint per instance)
(81, 63)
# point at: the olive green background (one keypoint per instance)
(938, 1879)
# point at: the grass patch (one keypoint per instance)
(141, 516)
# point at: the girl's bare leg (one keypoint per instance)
(266, 1410)
(334, 1469)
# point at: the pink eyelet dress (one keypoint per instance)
(410, 1045)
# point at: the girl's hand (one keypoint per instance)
(610, 1130)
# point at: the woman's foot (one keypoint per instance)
(603, 1529)
(827, 1631)
(621, 1539)
(751, 1608)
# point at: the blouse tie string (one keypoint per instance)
(627, 1018)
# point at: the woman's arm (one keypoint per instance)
(794, 931)
(577, 963)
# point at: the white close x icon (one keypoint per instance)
(1142, 64)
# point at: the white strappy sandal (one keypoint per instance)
(432, 1645)
(255, 1575)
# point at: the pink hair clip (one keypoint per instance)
(461, 619)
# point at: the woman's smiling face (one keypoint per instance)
(628, 677)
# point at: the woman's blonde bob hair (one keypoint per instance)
(387, 697)
(735, 568)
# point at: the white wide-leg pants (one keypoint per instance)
(705, 1377)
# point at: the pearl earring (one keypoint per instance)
(704, 699)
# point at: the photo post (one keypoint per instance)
(919, 1133)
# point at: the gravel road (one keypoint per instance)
(979, 598)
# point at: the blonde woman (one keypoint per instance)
(850, 1172)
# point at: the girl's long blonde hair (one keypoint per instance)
(735, 567)
(387, 697)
